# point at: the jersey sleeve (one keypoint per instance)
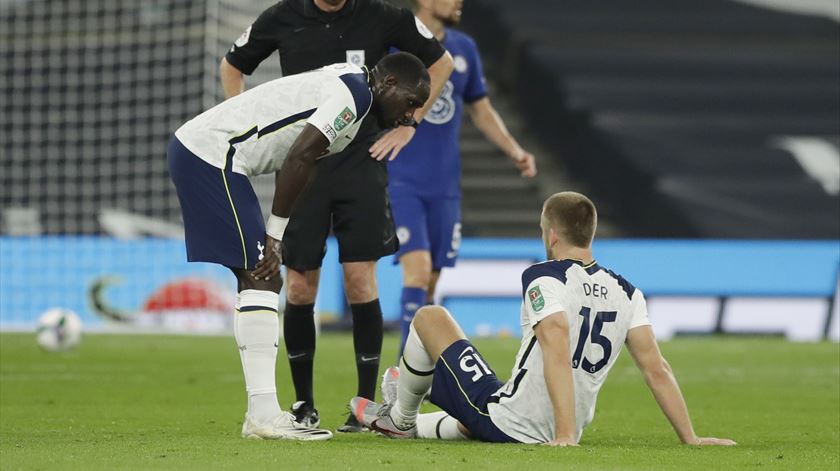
(407, 33)
(476, 87)
(638, 308)
(335, 114)
(256, 43)
(543, 297)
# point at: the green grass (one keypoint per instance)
(166, 402)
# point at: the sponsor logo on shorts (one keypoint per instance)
(343, 119)
(329, 132)
(536, 298)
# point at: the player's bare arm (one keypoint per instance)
(487, 120)
(233, 81)
(553, 336)
(641, 343)
(289, 182)
(390, 144)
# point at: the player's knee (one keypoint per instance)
(429, 315)
(299, 290)
(417, 277)
(360, 282)
(360, 289)
(417, 269)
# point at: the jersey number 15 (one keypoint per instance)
(596, 337)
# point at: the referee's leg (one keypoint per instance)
(364, 227)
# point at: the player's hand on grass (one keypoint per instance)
(711, 441)
(525, 162)
(561, 442)
(392, 143)
(269, 265)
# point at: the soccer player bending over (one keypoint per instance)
(575, 317)
(281, 127)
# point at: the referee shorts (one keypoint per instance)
(348, 194)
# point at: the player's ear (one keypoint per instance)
(553, 238)
(390, 81)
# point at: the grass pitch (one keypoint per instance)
(168, 402)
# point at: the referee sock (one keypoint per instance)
(416, 370)
(256, 329)
(439, 425)
(412, 299)
(367, 342)
(299, 336)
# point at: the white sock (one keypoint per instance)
(416, 371)
(439, 425)
(257, 330)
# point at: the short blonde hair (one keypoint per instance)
(573, 216)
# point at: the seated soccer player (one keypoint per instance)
(575, 317)
(280, 127)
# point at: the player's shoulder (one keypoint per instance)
(354, 79)
(556, 269)
(625, 285)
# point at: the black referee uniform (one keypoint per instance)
(349, 190)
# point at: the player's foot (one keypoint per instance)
(378, 418)
(352, 426)
(390, 384)
(283, 427)
(306, 414)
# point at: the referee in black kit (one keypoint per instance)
(348, 192)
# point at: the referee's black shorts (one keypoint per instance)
(349, 193)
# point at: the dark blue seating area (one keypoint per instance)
(672, 110)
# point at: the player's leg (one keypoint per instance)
(300, 341)
(223, 224)
(414, 256)
(444, 237)
(431, 332)
(362, 296)
(441, 426)
(463, 381)
(303, 249)
(436, 425)
(365, 231)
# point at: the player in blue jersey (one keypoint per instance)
(425, 182)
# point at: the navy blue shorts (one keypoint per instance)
(430, 224)
(461, 386)
(223, 222)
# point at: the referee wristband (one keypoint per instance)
(276, 226)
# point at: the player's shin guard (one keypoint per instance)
(257, 330)
(416, 370)
(299, 330)
(412, 299)
(439, 425)
(367, 341)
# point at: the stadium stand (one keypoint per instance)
(680, 115)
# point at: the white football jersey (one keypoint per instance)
(251, 133)
(601, 307)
